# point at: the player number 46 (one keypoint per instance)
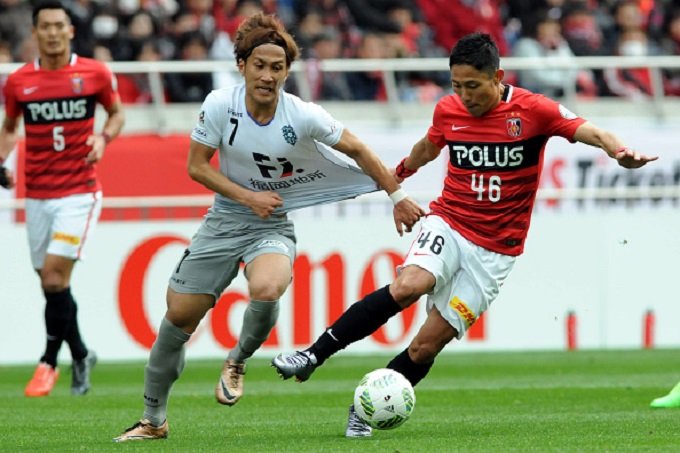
(494, 187)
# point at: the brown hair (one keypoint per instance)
(263, 29)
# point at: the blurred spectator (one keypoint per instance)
(190, 87)
(28, 50)
(670, 45)
(107, 31)
(135, 88)
(627, 16)
(582, 31)
(369, 86)
(453, 19)
(543, 38)
(328, 86)
(5, 57)
(632, 83)
(15, 24)
(91, 21)
(331, 13)
(195, 16)
(230, 13)
(373, 15)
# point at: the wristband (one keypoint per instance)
(402, 171)
(398, 195)
(106, 137)
(620, 150)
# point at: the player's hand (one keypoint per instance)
(6, 178)
(264, 203)
(629, 158)
(98, 144)
(406, 214)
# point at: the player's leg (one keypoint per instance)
(431, 261)
(268, 274)
(205, 269)
(359, 321)
(415, 361)
(38, 225)
(166, 362)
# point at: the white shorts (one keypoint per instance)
(61, 226)
(467, 276)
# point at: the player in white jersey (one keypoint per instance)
(273, 158)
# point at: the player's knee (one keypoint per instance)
(266, 291)
(408, 289)
(53, 281)
(423, 353)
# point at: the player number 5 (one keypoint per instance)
(58, 136)
(477, 185)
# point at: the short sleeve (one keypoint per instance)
(435, 134)
(558, 120)
(208, 129)
(12, 106)
(109, 92)
(322, 126)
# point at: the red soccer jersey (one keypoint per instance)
(58, 108)
(494, 165)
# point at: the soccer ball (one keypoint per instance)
(384, 399)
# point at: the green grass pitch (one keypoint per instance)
(579, 401)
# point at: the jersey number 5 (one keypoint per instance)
(58, 136)
(494, 189)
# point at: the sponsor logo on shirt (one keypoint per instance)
(59, 110)
(289, 135)
(491, 156)
(201, 117)
(200, 132)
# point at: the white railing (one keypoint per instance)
(389, 67)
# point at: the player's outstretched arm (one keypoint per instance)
(592, 135)
(200, 170)
(406, 211)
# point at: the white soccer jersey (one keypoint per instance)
(288, 155)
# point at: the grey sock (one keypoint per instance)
(258, 321)
(166, 362)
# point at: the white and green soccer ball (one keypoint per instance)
(384, 399)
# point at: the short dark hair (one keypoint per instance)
(49, 4)
(477, 50)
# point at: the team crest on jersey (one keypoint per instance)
(289, 134)
(77, 84)
(514, 126)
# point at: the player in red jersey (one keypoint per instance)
(57, 95)
(495, 135)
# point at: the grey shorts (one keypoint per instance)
(222, 243)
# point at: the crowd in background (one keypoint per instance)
(190, 30)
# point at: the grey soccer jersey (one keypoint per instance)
(288, 155)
